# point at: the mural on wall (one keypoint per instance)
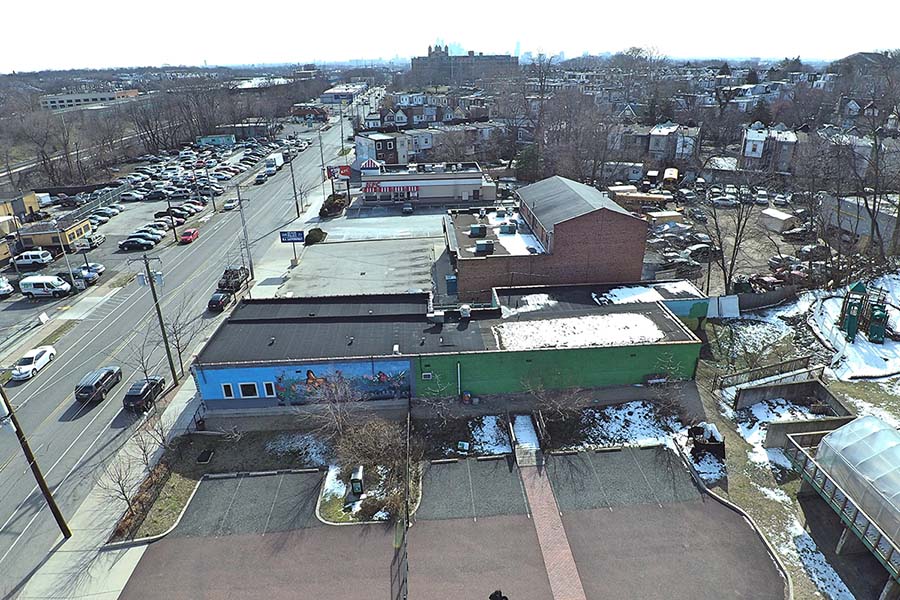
(374, 380)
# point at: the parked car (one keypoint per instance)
(44, 286)
(96, 384)
(698, 215)
(142, 393)
(219, 301)
(91, 241)
(32, 362)
(156, 195)
(95, 267)
(407, 208)
(724, 202)
(780, 262)
(6, 288)
(159, 224)
(147, 234)
(33, 258)
(233, 279)
(133, 243)
(804, 233)
(188, 236)
(814, 252)
(781, 200)
(83, 273)
(107, 211)
(761, 198)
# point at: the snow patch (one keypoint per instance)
(801, 549)
(775, 494)
(311, 447)
(620, 329)
(526, 436)
(753, 423)
(333, 485)
(490, 436)
(631, 423)
(529, 303)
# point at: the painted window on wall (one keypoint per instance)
(227, 390)
(248, 390)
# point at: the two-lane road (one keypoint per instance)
(73, 442)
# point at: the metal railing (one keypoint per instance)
(786, 366)
(853, 517)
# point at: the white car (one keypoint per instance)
(95, 267)
(33, 361)
(231, 204)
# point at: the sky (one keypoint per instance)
(64, 34)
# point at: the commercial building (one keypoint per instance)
(224, 140)
(428, 183)
(272, 353)
(20, 206)
(346, 92)
(439, 67)
(57, 101)
(60, 235)
(563, 232)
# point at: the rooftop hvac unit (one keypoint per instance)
(510, 227)
(465, 311)
(501, 213)
(396, 349)
(436, 316)
(484, 246)
(477, 230)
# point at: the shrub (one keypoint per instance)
(314, 236)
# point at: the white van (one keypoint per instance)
(33, 258)
(44, 285)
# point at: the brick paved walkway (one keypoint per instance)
(565, 582)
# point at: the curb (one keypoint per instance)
(150, 539)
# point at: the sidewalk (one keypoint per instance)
(80, 567)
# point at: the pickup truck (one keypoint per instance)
(233, 279)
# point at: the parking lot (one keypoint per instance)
(258, 537)
(638, 527)
(473, 535)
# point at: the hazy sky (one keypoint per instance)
(64, 34)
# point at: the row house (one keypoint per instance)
(670, 142)
(768, 149)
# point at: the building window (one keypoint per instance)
(227, 390)
(248, 390)
(270, 389)
(378, 145)
(390, 145)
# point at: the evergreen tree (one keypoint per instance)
(752, 77)
(724, 69)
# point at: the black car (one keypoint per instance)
(142, 393)
(156, 195)
(96, 384)
(220, 301)
(135, 244)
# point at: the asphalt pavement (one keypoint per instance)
(73, 443)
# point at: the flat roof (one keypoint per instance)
(291, 329)
(555, 300)
(505, 244)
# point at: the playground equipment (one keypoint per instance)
(864, 309)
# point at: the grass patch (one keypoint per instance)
(58, 334)
(5, 376)
(345, 151)
(122, 280)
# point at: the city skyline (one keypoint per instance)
(176, 34)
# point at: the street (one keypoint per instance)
(73, 442)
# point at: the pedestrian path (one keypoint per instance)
(565, 583)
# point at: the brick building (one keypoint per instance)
(440, 67)
(564, 232)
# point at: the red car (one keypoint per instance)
(188, 236)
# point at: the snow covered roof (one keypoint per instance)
(664, 128)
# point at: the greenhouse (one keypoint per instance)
(863, 457)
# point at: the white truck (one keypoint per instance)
(275, 160)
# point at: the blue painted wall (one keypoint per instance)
(375, 379)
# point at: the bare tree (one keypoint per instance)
(140, 352)
(333, 400)
(120, 480)
(182, 328)
(729, 229)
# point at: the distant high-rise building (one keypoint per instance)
(518, 49)
(440, 67)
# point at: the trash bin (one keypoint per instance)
(201, 424)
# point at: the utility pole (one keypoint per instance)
(62, 246)
(212, 196)
(341, 113)
(322, 158)
(10, 414)
(246, 237)
(162, 326)
(294, 185)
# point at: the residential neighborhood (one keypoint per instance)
(285, 318)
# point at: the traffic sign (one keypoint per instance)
(291, 237)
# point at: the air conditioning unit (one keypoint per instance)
(427, 376)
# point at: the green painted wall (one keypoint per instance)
(506, 372)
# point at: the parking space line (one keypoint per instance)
(599, 483)
(522, 489)
(230, 504)
(650, 487)
(471, 491)
(272, 508)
